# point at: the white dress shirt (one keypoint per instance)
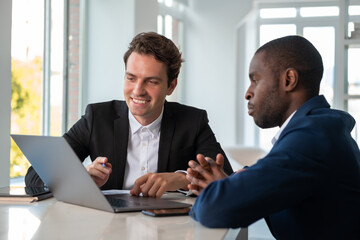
(277, 135)
(142, 151)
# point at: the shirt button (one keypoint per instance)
(143, 144)
(142, 168)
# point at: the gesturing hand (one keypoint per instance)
(200, 175)
(155, 184)
(100, 170)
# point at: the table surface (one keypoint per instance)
(51, 219)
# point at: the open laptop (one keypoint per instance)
(62, 171)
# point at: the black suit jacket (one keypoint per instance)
(104, 131)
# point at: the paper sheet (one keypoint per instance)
(115, 191)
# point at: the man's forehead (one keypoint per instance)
(261, 64)
(256, 61)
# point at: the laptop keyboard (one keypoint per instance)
(120, 203)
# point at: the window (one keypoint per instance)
(319, 24)
(45, 71)
(27, 76)
(278, 12)
(170, 24)
(319, 11)
(352, 75)
(74, 51)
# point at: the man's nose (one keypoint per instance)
(248, 94)
(139, 88)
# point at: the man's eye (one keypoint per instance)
(153, 82)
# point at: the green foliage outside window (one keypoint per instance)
(26, 86)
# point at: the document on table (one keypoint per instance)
(115, 191)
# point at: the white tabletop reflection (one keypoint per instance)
(51, 219)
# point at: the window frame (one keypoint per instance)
(163, 11)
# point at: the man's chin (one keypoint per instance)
(137, 113)
(264, 125)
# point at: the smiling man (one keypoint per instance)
(143, 143)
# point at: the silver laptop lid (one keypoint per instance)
(62, 171)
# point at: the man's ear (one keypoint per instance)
(291, 79)
(172, 87)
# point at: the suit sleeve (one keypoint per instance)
(79, 134)
(207, 144)
(32, 179)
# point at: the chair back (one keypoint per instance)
(240, 156)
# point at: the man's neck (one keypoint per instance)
(145, 122)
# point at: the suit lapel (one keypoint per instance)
(166, 136)
(121, 136)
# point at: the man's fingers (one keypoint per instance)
(204, 173)
(189, 178)
(102, 165)
(100, 160)
(209, 164)
(155, 184)
(196, 182)
(160, 191)
(97, 171)
(196, 192)
(220, 160)
(203, 162)
(152, 191)
(149, 188)
(194, 173)
(216, 169)
(139, 184)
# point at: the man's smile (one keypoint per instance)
(140, 101)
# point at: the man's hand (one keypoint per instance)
(155, 184)
(100, 173)
(200, 175)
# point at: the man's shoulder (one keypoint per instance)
(316, 113)
(328, 118)
(186, 117)
(115, 107)
(318, 131)
(109, 104)
(176, 107)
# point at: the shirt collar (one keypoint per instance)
(153, 128)
(277, 135)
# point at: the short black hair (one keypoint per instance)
(162, 48)
(298, 53)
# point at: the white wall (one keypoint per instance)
(210, 40)
(246, 130)
(110, 27)
(5, 90)
(145, 16)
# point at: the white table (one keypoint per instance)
(51, 219)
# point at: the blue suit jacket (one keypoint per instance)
(307, 187)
